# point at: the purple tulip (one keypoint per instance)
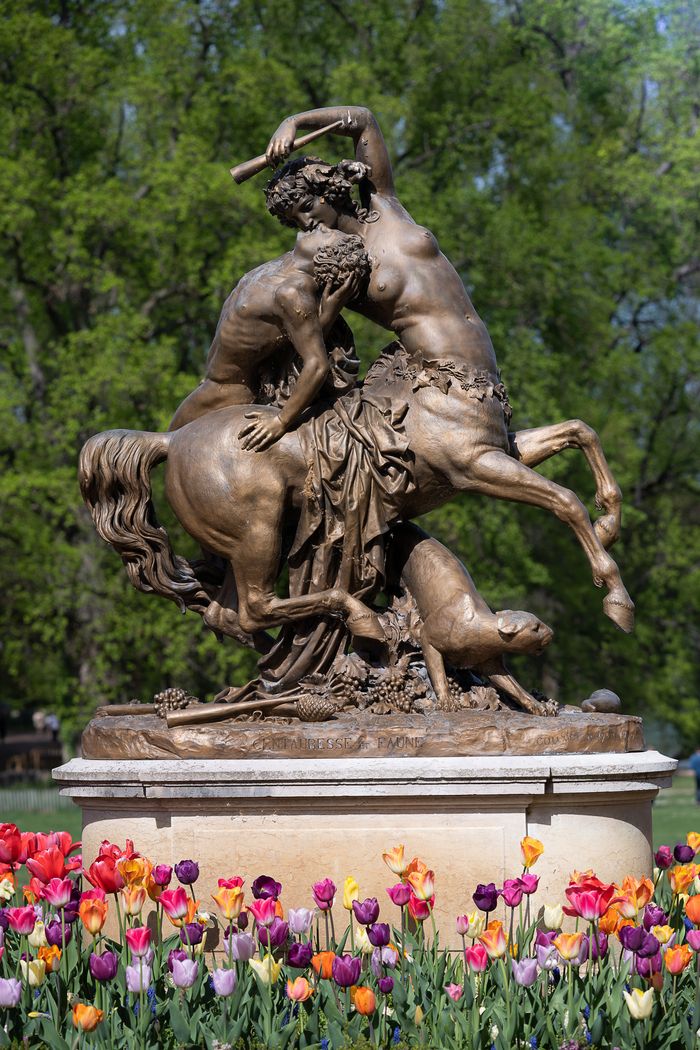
(264, 887)
(104, 967)
(176, 953)
(138, 977)
(242, 920)
(693, 939)
(524, 971)
(545, 937)
(274, 935)
(240, 945)
(385, 984)
(599, 947)
(54, 935)
(185, 972)
(223, 982)
(191, 933)
(378, 934)
(4, 921)
(654, 916)
(650, 946)
(582, 955)
(512, 892)
(10, 991)
(486, 897)
(300, 920)
(323, 893)
(366, 911)
(162, 874)
(663, 857)
(547, 956)
(649, 965)
(386, 957)
(683, 853)
(346, 970)
(632, 937)
(299, 954)
(187, 872)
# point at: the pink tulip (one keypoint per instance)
(512, 892)
(57, 892)
(139, 940)
(693, 939)
(462, 925)
(21, 920)
(175, 903)
(324, 894)
(529, 883)
(454, 991)
(589, 900)
(400, 894)
(476, 958)
(263, 910)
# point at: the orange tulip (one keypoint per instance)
(323, 964)
(611, 922)
(51, 957)
(153, 888)
(693, 840)
(230, 901)
(530, 850)
(677, 958)
(416, 865)
(422, 884)
(135, 870)
(639, 890)
(577, 877)
(681, 876)
(394, 860)
(299, 990)
(93, 914)
(494, 941)
(365, 1000)
(86, 1018)
(568, 945)
(692, 909)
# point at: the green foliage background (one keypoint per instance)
(552, 145)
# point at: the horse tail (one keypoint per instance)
(114, 475)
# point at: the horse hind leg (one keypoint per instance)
(497, 474)
(532, 447)
(221, 617)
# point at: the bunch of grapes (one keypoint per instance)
(172, 700)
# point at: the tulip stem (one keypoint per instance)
(330, 915)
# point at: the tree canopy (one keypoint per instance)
(551, 145)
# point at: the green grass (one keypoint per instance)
(675, 813)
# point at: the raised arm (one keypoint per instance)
(359, 124)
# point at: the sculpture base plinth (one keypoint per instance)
(358, 735)
(304, 820)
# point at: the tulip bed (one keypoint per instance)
(625, 974)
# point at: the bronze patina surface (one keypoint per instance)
(443, 735)
(283, 460)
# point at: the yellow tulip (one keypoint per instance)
(394, 860)
(530, 850)
(362, 941)
(639, 1003)
(34, 971)
(351, 892)
(663, 934)
(37, 938)
(7, 889)
(553, 916)
(267, 969)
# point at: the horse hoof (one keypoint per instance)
(366, 625)
(606, 529)
(620, 612)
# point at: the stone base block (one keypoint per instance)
(304, 820)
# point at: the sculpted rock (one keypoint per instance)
(604, 701)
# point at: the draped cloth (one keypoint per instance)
(359, 474)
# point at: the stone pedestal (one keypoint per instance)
(303, 820)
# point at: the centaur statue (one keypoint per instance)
(324, 473)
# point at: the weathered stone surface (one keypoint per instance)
(142, 737)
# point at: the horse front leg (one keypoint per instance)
(495, 473)
(532, 447)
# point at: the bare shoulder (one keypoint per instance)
(297, 294)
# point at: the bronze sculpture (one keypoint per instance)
(325, 479)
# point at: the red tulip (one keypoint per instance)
(62, 839)
(139, 940)
(175, 903)
(10, 844)
(47, 864)
(104, 874)
(476, 958)
(29, 846)
(418, 909)
(263, 911)
(57, 892)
